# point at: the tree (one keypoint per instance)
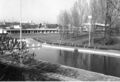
(107, 11)
(97, 11)
(64, 20)
(98, 15)
(76, 17)
(112, 14)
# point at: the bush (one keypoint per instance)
(104, 41)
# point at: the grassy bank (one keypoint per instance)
(80, 41)
(45, 71)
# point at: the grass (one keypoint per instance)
(114, 44)
(81, 41)
(45, 67)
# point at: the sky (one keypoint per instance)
(33, 10)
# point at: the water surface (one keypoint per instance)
(92, 62)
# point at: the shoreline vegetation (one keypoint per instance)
(35, 70)
(79, 43)
(82, 41)
(45, 71)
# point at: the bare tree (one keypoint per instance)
(106, 11)
(80, 12)
(76, 17)
(97, 11)
(112, 14)
(64, 19)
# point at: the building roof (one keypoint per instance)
(100, 24)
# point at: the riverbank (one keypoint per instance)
(55, 39)
(79, 44)
(45, 71)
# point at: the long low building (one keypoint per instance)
(11, 31)
(97, 26)
(3, 31)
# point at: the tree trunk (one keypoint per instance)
(107, 34)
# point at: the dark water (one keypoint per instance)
(101, 64)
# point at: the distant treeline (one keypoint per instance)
(28, 25)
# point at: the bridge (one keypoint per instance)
(34, 31)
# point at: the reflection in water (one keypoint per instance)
(74, 59)
(112, 66)
(96, 63)
(45, 54)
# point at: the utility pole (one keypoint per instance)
(21, 54)
(20, 24)
(90, 27)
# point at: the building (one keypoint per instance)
(97, 27)
(3, 31)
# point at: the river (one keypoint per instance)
(101, 64)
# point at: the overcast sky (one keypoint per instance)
(35, 10)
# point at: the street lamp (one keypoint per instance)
(90, 25)
(21, 60)
(20, 24)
